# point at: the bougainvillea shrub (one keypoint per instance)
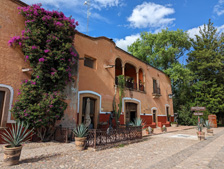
(47, 44)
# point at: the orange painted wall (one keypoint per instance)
(101, 80)
(11, 59)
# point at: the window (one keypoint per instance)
(167, 113)
(2, 96)
(156, 89)
(89, 62)
(154, 116)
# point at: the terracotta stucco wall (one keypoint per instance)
(101, 80)
(11, 59)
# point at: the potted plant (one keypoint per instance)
(145, 132)
(14, 137)
(208, 126)
(80, 133)
(174, 124)
(164, 129)
(200, 133)
(137, 123)
(150, 130)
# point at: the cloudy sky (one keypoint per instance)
(124, 20)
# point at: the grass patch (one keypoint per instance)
(120, 145)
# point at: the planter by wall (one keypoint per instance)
(11, 155)
(173, 125)
(201, 135)
(80, 143)
(145, 133)
(210, 132)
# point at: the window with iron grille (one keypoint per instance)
(89, 62)
(156, 88)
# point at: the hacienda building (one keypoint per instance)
(100, 62)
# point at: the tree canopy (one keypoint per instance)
(200, 81)
(162, 49)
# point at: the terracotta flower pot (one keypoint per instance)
(145, 132)
(11, 155)
(201, 135)
(210, 131)
(80, 143)
(173, 124)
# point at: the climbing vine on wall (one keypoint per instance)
(47, 44)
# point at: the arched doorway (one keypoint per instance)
(89, 102)
(131, 112)
(131, 109)
(88, 109)
(154, 115)
(5, 104)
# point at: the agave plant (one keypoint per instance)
(81, 131)
(18, 134)
(207, 124)
(200, 127)
(137, 122)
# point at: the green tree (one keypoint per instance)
(181, 78)
(162, 49)
(206, 61)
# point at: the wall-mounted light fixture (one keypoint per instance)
(26, 69)
(108, 66)
(170, 96)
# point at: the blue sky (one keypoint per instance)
(124, 20)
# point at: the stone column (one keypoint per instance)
(144, 80)
(137, 73)
(123, 69)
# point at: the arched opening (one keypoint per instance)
(141, 80)
(154, 115)
(118, 69)
(131, 108)
(131, 112)
(167, 112)
(130, 76)
(88, 111)
(4, 105)
(89, 108)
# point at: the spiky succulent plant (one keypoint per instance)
(137, 122)
(207, 124)
(18, 134)
(81, 131)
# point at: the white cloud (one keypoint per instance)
(106, 3)
(127, 41)
(195, 31)
(151, 15)
(219, 8)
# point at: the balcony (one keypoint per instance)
(156, 92)
(141, 87)
(129, 84)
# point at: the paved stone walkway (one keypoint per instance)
(157, 151)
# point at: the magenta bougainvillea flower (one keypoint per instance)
(41, 60)
(50, 60)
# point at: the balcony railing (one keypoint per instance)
(128, 83)
(156, 92)
(131, 85)
(141, 87)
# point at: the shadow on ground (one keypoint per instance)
(36, 159)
